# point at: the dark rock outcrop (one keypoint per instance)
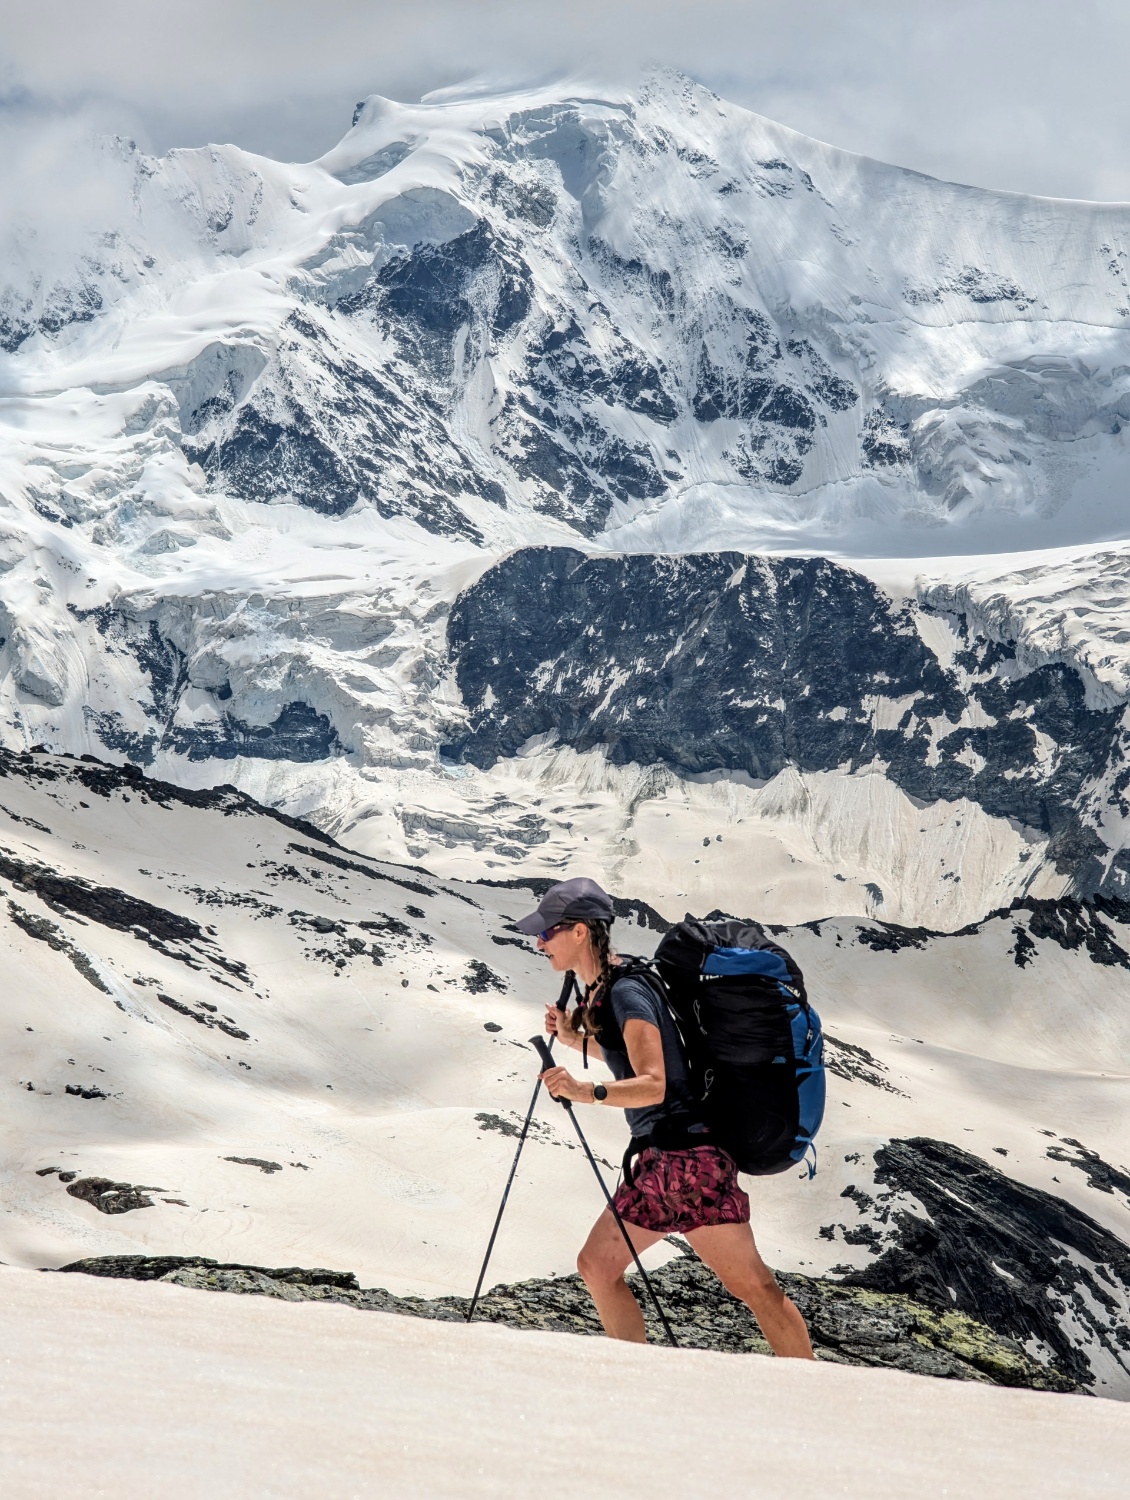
(297, 732)
(1100, 1174)
(737, 663)
(156, 1267)
(848, 1325)
(1028, 1264)
(112, 1197)
(168, 932)
(104, 779)
(46, 931)
(105, 905)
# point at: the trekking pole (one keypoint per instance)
(506, 1190)
(567, 988)
(547, 1059)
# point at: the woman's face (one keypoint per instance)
(564, 945)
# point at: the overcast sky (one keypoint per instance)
(1028, 95)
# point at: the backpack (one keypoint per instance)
(754, 1044)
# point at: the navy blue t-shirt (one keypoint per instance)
(633, 999)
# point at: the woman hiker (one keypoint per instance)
(692, 1190)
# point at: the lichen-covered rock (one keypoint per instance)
(1030, 1264)
(163, 1267)
(212, 1279)
(849, 1325)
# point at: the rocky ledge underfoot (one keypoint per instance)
(849, 1325)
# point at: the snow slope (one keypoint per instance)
(228, 1036)
(155, 1389)
(262, 424)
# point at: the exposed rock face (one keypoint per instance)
(1071, 924)
(157, 1267)
(726, 662)
(111, 1197)
(154, 649)
(46, 931)
(327, 429)
(1100, 1174)
(169, 933)
(1030, 1266)
(102, 779)
(848, 1325)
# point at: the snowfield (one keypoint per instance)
(239, 1396)
(231, 1037)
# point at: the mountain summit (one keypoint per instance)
(263, 425)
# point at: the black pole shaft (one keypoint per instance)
(547, 1059)
(667, 1329)
(505, 1195)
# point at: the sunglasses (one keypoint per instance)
(549, 932)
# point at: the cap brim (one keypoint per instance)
(532, 925)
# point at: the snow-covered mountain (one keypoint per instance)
(264, 425)
(229, 1036)
(542, 482)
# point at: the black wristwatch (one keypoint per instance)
(599, 1093)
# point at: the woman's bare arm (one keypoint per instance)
(645, 1053)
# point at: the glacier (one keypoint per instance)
(270, 431)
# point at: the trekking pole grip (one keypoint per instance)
(538, 1042)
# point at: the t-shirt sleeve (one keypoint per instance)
(634, 1000)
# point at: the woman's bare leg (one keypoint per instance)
(730, 1252)
(602, 1263)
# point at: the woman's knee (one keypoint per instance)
(754, 1286)
(596, 1269)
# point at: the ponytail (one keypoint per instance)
(587, 1016)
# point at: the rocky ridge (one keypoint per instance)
(975, 1276)
(848, 1325)
(723, 662)
(951, 1231)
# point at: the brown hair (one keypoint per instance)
(583, 1017)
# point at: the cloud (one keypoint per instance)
(1019, 94)
(61, 171)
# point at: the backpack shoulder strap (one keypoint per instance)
(629, 967)
(646, 969)
(633, 967)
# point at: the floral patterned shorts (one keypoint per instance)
(676, 1191)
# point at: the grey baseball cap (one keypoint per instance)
(577, 900)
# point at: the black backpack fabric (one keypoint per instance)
(754, 1043)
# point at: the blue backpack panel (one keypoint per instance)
(755, 1044)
